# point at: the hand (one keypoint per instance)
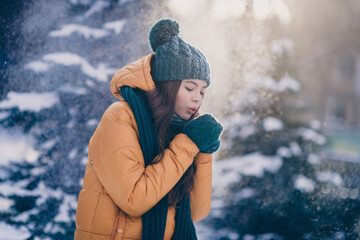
(204, 131)
(212, 148)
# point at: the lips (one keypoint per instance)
(192, 110)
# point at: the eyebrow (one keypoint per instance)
(189, 81)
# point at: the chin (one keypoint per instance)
(185, 116)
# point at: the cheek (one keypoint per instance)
(181, 100)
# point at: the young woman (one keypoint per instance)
(150, 158)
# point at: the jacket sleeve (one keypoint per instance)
(200, 196)
(120, 165)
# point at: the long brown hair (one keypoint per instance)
(162, 103)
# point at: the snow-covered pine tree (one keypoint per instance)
(269, 182)
(58, 88)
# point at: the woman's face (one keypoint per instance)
(189, 97)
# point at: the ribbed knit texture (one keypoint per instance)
(174, 58)
(154, 221)
(204, 132)
(177, 123)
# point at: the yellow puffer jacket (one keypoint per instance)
(117, 188)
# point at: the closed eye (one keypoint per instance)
(189, 89)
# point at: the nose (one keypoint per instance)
(197, 97)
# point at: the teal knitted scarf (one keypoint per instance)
(154, 221)
(177, 124)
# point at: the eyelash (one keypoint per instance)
(190, 89)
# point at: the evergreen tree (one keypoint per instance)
(269, 182)
(55, 93)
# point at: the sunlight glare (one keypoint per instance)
(222, 10)
(261, 8)
(265, 8)
(186, 7)
(282, 11)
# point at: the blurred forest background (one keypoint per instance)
(285, 85)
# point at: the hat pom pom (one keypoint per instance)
(163, 31)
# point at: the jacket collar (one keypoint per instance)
(135, 75)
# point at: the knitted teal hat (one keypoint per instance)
(174, 58)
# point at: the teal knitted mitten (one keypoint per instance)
(204, 131)
(212, 148)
